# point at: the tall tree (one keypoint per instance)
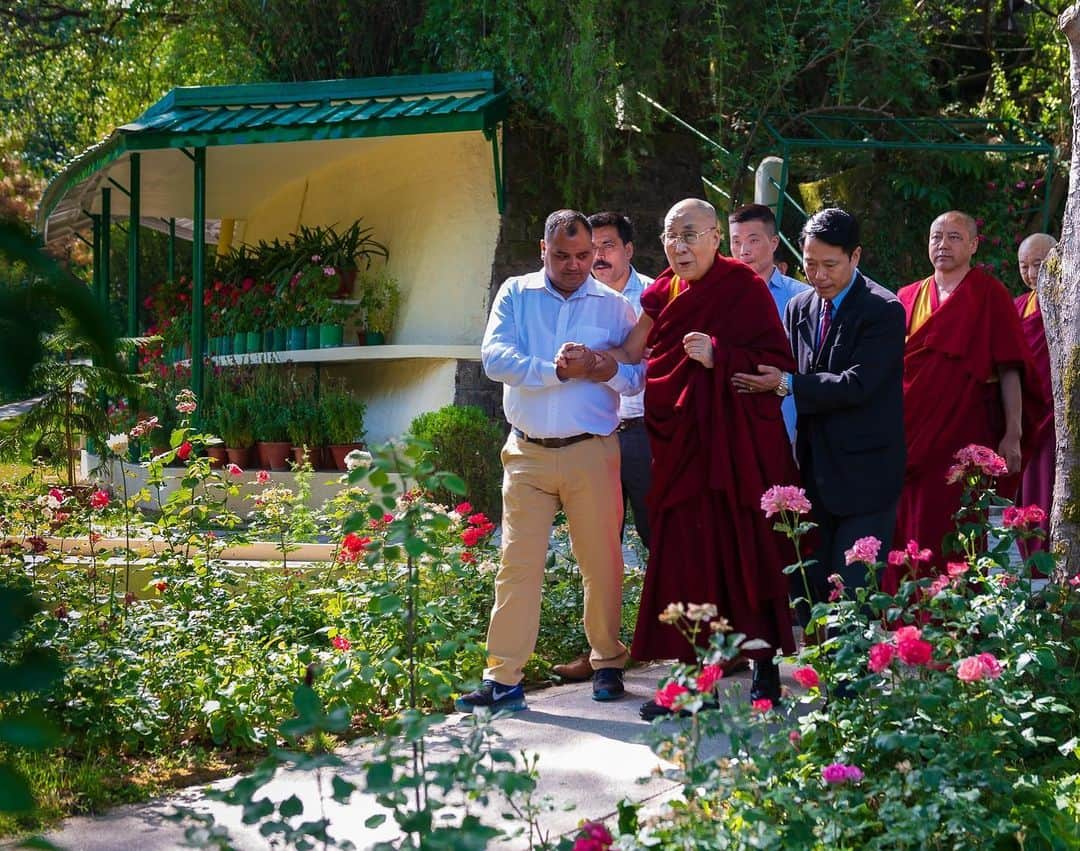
(1059, 297)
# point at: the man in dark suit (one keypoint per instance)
(847, 335)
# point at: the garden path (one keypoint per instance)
(591, 757)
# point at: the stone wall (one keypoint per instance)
(669, 169)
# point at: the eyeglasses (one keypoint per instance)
(689, 237)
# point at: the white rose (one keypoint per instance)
(356, 459)
(118, 443)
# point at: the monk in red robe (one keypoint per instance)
(1037, 479)
(715, 451)
(968, 378)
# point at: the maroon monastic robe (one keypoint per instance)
(714, 452)
(1037, 479)
(952, 398)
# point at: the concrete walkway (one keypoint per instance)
(591, 757)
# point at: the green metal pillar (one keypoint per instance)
(170, 256)
(95, 287)
(198, 272)
(106, 246)
(133, 248)
(783, 191)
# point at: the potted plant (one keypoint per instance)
(272, 392)
(343, 415)
(346, 250)
(236, 425)
(380, 300)
(307, 431)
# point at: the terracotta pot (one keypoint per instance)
(312, 456)
(240, 457)
(338, 451)
(274, 454)
(218, 455)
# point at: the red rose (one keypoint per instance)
(184, 451)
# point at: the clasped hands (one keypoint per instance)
(576, 360)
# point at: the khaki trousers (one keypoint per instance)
(583, 479)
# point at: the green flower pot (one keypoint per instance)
(225, 345)
(239, 343)
(374, 338)
(254, 341)
(312, 337)
(330, 336)
(281, 339)
(214, 345)
(268, 340)
(297, 339)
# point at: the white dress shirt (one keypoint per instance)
(631, 407)
(529, 323)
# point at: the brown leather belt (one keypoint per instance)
(629, 423)
(553, 442)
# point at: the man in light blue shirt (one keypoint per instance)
(561, 397)
(613, 239)
(754, 241)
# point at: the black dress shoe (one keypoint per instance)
(766, 682)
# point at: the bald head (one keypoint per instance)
(691, 238)
(1030, 256)
(954, 236)
(700, 210)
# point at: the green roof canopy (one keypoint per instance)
(284, 120)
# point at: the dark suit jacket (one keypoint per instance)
(849, 398)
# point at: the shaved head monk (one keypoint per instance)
(968, 378)
(715, 451)
(1037, 480)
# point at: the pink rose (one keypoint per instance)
(956, 568)
(838, 773)
(780, 498)
(916, 554)
(708, 678)
(970, 670)
(1035, 515)
(341, 643)
(906, 633)
(762, 705)
(914, 651)
(880, 657)
(187, 407)
(669, 694)
(807, 677)
(990, 665)
(897, 557)
(864, 549)
(262, 477)
(99, 499)
(234, 470)
(795, 737)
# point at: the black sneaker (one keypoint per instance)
(652, 710)
(494, 697)
(607, 684)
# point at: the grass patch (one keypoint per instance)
(66, 784)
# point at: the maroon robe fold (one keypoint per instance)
(952, 398)
(714, 452)
(1037, 478)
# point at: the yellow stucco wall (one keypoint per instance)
(431, 201)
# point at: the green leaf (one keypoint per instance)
(375, 820)
(32, 732)
(453, 483)
(380, 778)
(307, 703)
(386, 604)
(15, 794)
(290, 807)
(342, 790)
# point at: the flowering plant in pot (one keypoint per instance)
(234, 417)
(345, 251)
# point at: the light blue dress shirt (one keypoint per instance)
(529, 322)
(783, 289)
(634, 406)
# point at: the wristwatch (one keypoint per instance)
(784, 387)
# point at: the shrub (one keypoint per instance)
(466, 441)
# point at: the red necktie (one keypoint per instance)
(826, 321)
